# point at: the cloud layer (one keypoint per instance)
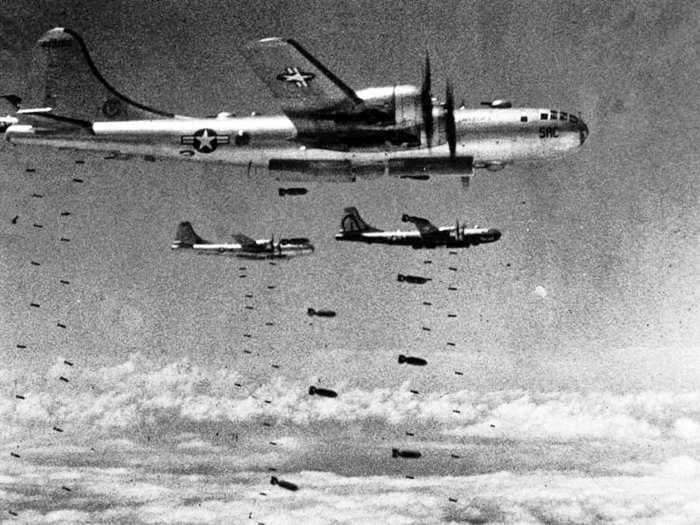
(668, 492)
(140, 392)
(505, 456)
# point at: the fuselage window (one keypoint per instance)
(523, 119)
(563, 115)
(554, 114)
(544, 116)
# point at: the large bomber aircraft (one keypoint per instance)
(353, 228)
(244, 247)
(328, 131)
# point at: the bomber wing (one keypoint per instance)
(304, 86)
(425, 227)
(246, 242)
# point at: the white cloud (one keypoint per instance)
(197, 444)
(668, 494)
(681, 467)
(687, 429)
(139, 392)
(156, 484)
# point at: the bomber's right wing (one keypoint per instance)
(304, 86)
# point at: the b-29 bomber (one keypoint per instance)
(427, 235)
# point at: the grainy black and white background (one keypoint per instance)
(577, 333)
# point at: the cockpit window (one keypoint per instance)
(523, 119)
(544, 116)
(573, 118)
(563, 115)
(554, 114)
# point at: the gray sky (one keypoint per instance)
(610, 232)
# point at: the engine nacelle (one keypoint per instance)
(402, 101)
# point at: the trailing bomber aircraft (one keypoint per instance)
(354, 228)
(245, 247)
(328, 131)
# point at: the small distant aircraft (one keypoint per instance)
(354, 228)
(245, 247)
(328, 131)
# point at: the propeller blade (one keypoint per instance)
(450, 127)
(426, 102)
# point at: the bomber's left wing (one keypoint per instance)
(304, 86)
(246, 242)
(425, 227)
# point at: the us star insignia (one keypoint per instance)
(296, 76)
(205, 140)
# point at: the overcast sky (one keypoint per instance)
(593, 287)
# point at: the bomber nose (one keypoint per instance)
(583, 131)
(495, 234)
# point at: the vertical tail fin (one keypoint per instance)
(186, 236)
(353, 223)
(66, 80)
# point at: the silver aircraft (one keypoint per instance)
(353, 228)
(245, 247)
(328, 131)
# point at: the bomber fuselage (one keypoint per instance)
(486, 137)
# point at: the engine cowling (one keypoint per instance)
(403, 105)
(403, 102)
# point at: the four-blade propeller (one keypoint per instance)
(426, 99)
(450, 127)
